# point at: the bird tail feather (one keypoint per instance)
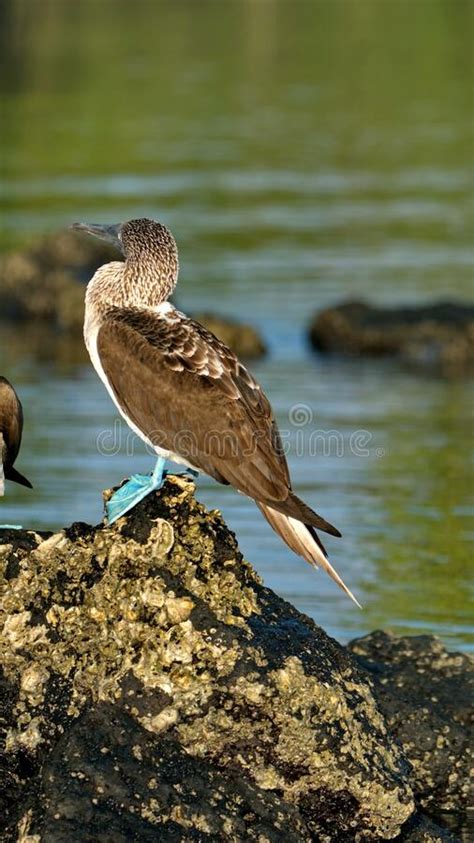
(304, 541)
(302, 512)
(15, 476)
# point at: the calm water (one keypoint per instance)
(301, 152)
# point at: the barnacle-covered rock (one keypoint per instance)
(154, 689)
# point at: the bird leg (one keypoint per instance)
(134, 490)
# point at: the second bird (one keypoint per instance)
(11, 428)
(183, 391)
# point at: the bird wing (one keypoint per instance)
(189, 394)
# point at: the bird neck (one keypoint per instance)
(130, 284)
(148, 282)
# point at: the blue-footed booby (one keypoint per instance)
(183, 391)
(11, 428)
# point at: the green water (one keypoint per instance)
(301, 152)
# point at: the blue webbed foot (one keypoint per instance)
(133, 491)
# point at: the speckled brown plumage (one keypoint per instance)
(155, 366)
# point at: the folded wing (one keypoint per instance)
(190, 395)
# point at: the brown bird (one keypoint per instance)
(183, 391)
(11, 427)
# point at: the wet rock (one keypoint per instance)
(44, 285)
(153, 689)
(425, 694)
(437, 338)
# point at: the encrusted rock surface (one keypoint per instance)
(45, 284)
(436, 338)
(426, 695)
(153, 689)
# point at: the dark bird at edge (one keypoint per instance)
(183, 391)
(11, 427)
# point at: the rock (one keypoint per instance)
(153, 689)
(420, 829)
(425, 694)
(241, 338)
(40, 285)
(437, 338)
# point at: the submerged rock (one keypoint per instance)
(44, 285)
(40, 284)
(154, 689)
(437, 338)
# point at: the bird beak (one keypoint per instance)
(110, 233)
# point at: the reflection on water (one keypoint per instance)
(301, 153)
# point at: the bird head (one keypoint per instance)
(149, 249)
